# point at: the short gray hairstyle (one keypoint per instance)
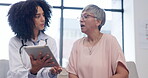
(98, 13)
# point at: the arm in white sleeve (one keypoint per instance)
(45, 73)
(31, 75)
(17, 69)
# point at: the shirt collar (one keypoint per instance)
(40, 38)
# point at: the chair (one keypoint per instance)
(4, 67)
(132, 69)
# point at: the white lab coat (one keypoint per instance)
(20, 68)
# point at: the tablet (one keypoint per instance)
(35, 50)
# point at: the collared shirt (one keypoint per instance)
(20, 64)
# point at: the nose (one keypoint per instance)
(42, 18)
(81, 19)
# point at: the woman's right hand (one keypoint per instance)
(40, 62)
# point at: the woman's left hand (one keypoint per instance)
(121, 71)
(56, 70)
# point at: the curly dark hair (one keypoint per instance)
(21, 14)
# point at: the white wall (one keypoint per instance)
(135, 17)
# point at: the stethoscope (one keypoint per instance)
(23, 45)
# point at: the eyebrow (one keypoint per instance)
(39, 14)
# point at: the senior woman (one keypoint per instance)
(98, 55)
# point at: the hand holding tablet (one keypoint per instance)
(35, 51)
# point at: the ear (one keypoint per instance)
(98, 22)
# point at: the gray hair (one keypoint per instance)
(98, 13)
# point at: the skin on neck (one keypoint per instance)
(36, 33)
(93, 37)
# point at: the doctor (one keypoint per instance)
(28, 20)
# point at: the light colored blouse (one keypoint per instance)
(101, 63)
(20, 64)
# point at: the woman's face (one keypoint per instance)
(88, 22)
(39, 19)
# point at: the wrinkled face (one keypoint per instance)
(39, 19)
(88, 22)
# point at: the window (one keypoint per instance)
(64, 27)
(70, 28)
(5, 32)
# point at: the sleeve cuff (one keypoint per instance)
(52, 75)
(31, 75)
